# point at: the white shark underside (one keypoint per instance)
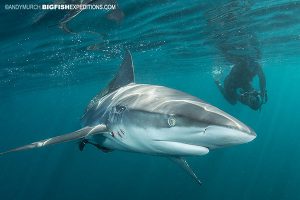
(153, 120)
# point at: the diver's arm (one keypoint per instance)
(262, 83)
(220, 87)
(229, 95)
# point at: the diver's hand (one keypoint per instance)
(264, 96)
(219, 85)
(217, 82)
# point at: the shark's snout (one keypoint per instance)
(242, 130)
(239, 126)
(251, 133)
(220, 128)
(225, 130)
(220, 136)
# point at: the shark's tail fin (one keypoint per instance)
(116, 15)
(77, 135)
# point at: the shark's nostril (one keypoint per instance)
(249, 131)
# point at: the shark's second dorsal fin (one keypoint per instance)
(125, 74)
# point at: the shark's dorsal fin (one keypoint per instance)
(125, 74)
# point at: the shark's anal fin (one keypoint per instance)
(81, 133)
(184, 165)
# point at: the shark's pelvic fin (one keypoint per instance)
(183, 164)
(84, 142)
(82, 133)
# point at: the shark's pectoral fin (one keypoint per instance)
(81, 133)
(183, 164)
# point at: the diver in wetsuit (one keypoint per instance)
(228, 25)
(237, 85)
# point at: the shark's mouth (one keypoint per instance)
(179, 148)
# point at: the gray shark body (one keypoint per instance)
(154, 120)
(114, 15)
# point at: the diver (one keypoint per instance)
(238, 85)
(238, 45)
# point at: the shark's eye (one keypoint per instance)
(171, 121)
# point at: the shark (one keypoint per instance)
(115, 15)
(151, 119)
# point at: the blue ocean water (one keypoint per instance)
(48, 76)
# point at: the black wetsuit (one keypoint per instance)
(228, 25)
(240, 77)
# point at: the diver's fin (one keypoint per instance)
(183, 164)
(82, 133)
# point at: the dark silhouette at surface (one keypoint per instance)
(237, 85)
(238, 45)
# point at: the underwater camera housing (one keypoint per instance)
(252, 98)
